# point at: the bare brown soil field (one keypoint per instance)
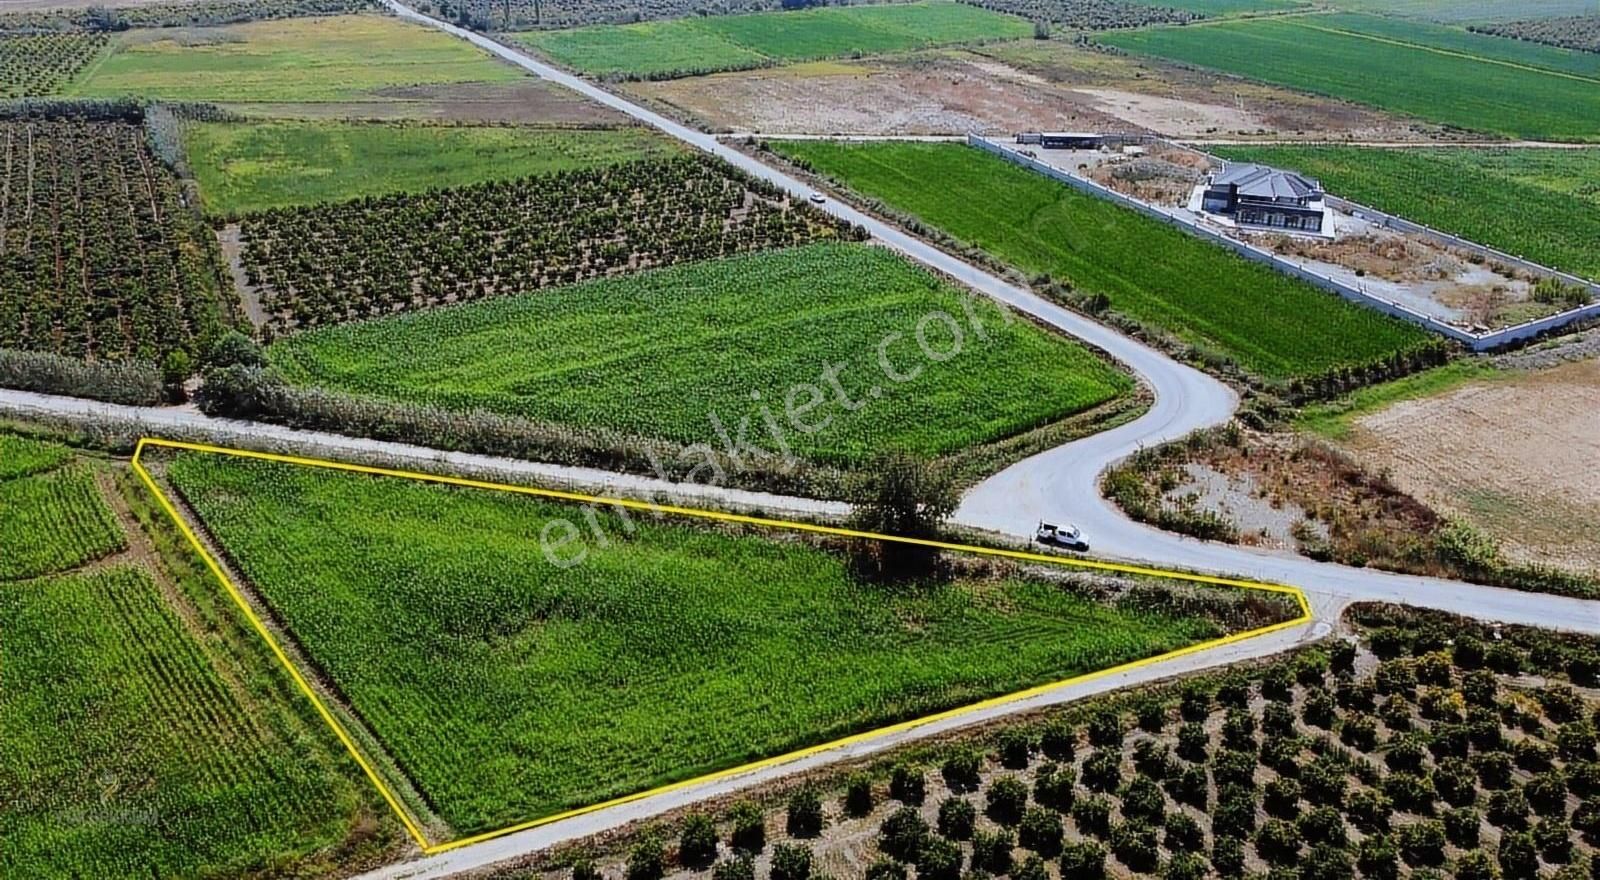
(923, 94)
(524, 101)
(1516, 456)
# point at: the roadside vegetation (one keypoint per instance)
(745, 331)
(1111, 258)
(1422, 745)
(248, 167)
(339, 58)
(144, 735)
(511, 677)
(689, 46)
(1361, 60)
(1533, 203)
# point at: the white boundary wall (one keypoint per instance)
(1475, 341)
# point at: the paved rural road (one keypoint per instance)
(1059, 484)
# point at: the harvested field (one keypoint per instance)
(524, 101)
(1514, 455)
(924, 94)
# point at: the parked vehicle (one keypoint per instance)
(1067, 536)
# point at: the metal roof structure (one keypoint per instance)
(1263, 182)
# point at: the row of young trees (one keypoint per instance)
(178, 13)
(383, 254)
(1579, 32)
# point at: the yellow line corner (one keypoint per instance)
(412, 825)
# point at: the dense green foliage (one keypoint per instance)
(1271, 325)
(323, 264)
(40, 64)
(1540, 204)
(179, 13)
(302, 59)
(53, 521)
(99, 256)
(1223, 8)
(1360, 60)
(508, 684)
(21, 456)
(1463, 11)
(699, 45)
(656, 354)
(245, 167)
(1580, 32)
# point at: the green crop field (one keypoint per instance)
(1541, 204)
(508, 684)
(1444, 86)
(731, 42)
(1272, 325)
(143, 736)
(658, 353)
(245, 167)
(1224, 8)
(54, 521)
(306, 59)
(1456, 39)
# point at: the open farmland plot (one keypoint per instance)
(99, 255)
(1273, 326)
(343, 58)
(1358, 62)
(144, 735)
(660, 354)
(1459, 40)
(379, 255)
(702, 45)
(508, 683)
(246, 167)
(1540, 204)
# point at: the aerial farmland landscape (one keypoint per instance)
(800, 439)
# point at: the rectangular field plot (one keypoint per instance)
(1270, 324)
(1361, 58)
(510, 678)
(660, 354)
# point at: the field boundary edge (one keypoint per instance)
(413, 827)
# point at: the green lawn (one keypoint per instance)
(1540, 204)
(508, 687)
(305, 59)
(1465, 92)
(661, 354)
(730, 42)
(142, 737)
(245, 167)
(1273, 326)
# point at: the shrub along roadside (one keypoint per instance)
(130, 382)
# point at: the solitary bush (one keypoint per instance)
(1143, 802)
(1318, 710)
(791, 861)
(1092, 815)
(647, 860)
(697, 843)
(1041, 831)
(1547, 793)
(1183, 834)
(1185, 866)
(1103, 770)
(1378, 858)
(1135, 845)
(961, 770)
(858, 800)
(742, 867)
(749, 828)
(902, 833)
(1193, 742)
(1326, 862)
(991, 851)
(1152, 716)
(1195, 704)
(805, 813)
(1322, 825)
(1058, 740)
(1277, 719)
(1053, 786)
(1369, 810)
(1239, 730)
(1235, 814)
(957, 817)
(1518, 857)
(1422, 843)
(1553, 837)
(1015, 748)
(1105, 729)
(584, 869)
(1190, 787)
(1278, 842)
(886, 869)
(1233, 768)
(1007, 797)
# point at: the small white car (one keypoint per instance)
(817, 198)
(1067, 536)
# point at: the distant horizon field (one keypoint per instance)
(1443, 87)
(1467, 11)
(337, 58)
(1272, 325)
(508, 686)
(660, 354)
(733, 42)
(251, 166)
(1540, 204)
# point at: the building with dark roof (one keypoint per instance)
(1256, 195)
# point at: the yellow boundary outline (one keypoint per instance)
(411, 824)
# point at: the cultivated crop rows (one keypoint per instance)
(189, 13)
(53, 522)
(39, 64)
(1089, 15)
(374, 256)
(99, 257)
(551, 14)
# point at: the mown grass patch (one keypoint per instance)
(244, 167)
(1272, 325)
(339, 58)
(669, 354)
(731, 42)
(510, 685)
(1370, 67)
(1540, 204)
